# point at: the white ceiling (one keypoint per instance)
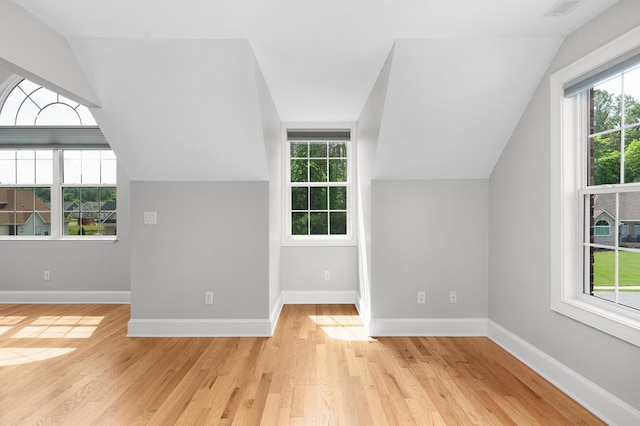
(320, 58)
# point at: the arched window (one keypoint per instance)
(57, 172)
(29, 104)
(602, 228)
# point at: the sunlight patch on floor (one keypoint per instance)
(342, 327)
(18, 356)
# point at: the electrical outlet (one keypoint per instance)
(327, 275)
(47, 275)
(208, 298)
(453, 297)
(422, 297)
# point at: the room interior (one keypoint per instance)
(450, 106)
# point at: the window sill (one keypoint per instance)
(82, 240)
(616, 320)
(319, 242)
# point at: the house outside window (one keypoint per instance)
(595, 145)
(318, 191)
(57, 173)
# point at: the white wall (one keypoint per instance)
(271, 130)
(368, 134)
(33, 50)
(519, 266)
(429, 236)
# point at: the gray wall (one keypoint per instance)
(75, 266)
(519, 243)
(429, 236)
(303, 268)
(210, 236)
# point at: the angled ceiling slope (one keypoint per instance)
(178, 110)
(31, 49)
(452, 104)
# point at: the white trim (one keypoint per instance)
(428, 327)
(318, 297)
(275, 314)
(603, 404)
(66, 297)
(567, 166)
(199, 328)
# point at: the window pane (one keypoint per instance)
(42, 207)
(606, 159)
(71, 207)
(299, 149)
(602, 221)
(58, 114)
(629, 279)
(317, 150)
(27, 114)
(318, 198)
(299, 198)
(337, 170)
(606, 104)
(632, 102)
(108, 171)
(90, 166)
(318, 170)
(318, 223)
(43, 97)
(338, 149)
(10, 107)
(44, 167)
(299, 170)
(7, 171)
(107, 215)
(604, 273)
(72, 166)
(299, 223)
(25, 167)
(26, 212)
(338, 223)
(338, 198)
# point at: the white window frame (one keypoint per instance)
(568, 160)
(57, 188)
(319, 240)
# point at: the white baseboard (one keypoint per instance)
(428, 327)
(609, 408)
(318, 297)
(275, 314)
(65, 297)
(199, 328)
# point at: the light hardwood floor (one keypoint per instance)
(74, 365)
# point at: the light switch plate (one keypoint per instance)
(150, 218)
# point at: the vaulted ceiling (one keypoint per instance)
(462, 70)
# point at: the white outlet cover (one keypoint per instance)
(150, 218)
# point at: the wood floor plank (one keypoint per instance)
(74, 365)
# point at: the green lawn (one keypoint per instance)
(604, 265)
(74, 229)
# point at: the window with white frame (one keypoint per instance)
(57, 174)
(595, 145)
(318, 176)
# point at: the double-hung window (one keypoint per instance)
(57, 173)
(318, 185)
(595, 146)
